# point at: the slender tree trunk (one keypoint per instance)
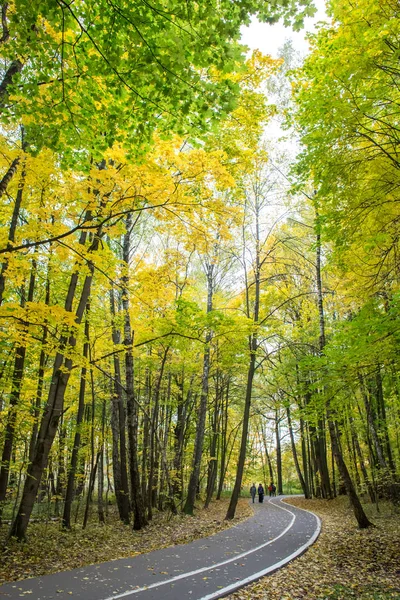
(154, 426)
(371, 425)
(362, 519)
(357, 448)
(69, 494)
(92, 479)
(212, 463)
(60, 486)
(163, 490)
(118, 429)
(179, 434)
(253, 347)
(202, 413)
(40, 380)
(304, 458)
(15, 395)
(383, 421)
(100, 476)
(245, 428)
(267, 455)
(139, 512)
(305, 489)
(224, 440)
(146, 430)
(9, 175)
(49, 424)
(12, 230)
(278, 454)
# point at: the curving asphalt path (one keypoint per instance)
(205, 569)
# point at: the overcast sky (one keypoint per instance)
(269, 38)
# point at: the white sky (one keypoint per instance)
(269, 38)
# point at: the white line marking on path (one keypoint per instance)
(209, 568)
(238, 584)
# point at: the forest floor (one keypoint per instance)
(345, 562)
(49, 549)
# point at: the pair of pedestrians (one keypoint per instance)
(259, 491)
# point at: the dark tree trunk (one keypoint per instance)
(278, 454)
(224, 440)
(380, 400)
(92, 479)
(304, 458)
(16, 388)
(54, 408)
(9, 175)
(60, 486)
(359, 513)
(118, 429)
(139, 512)
(12, 230)
(364, 472)
(39, 391)
(245, 428)
(100, 476)
(212, 463)
(154, 427)
(362, 519)
(267, 455)
(14, 68)
(179, 434)
(304, 487)
(202, 412)
(253, 347)
(69, 494)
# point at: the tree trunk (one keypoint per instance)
(139, 520)
(9, 175)
(380, 400)
(357, 448)
(304, 458)
(40, 380)
(16, 388)
(12, 230)
(202, 413)
(359, 513)
(212, 463)
(304, 487)
(92, 479)
(245, 428)
(54, 408)
(224, 440)
(100, 476)
(154, 427)
(69, 494)
(253, 347)
(278, 454)
(118, 429)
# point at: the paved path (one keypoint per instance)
(205, 569)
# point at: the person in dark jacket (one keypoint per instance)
(260, 493)
(253, 491)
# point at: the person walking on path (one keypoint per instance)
(253, 491)
(272, 489)
(260, 493)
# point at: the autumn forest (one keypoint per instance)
(189, 304)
